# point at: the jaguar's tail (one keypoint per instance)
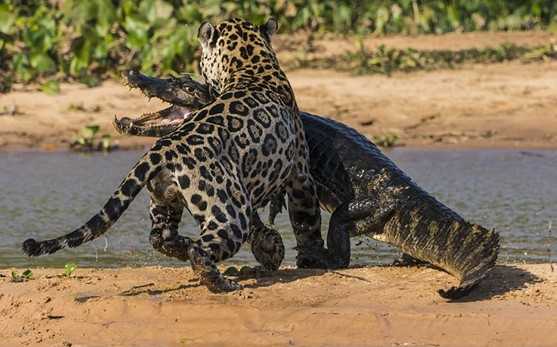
(136, 179)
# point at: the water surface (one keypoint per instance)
(47, 195)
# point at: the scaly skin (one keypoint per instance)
(368, 194)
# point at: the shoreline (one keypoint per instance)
(508, 105)
(412, 147)
(361, 306)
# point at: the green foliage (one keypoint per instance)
(69, 269)
(51, 87)
(387, 140)
(90, 40)
(88, 140)
(385, 60)
(23, 277)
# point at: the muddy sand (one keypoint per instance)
(369, 306)
(496, 105)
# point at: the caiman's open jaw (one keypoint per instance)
(154, 124)
(184, 93)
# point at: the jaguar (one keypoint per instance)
(224, 162)
(364, 190)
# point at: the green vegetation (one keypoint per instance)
(88, 140)
(385, 60)
(69, 269)
(44, 41)
(387, 140)
(23, 277)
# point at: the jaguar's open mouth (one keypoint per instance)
(184, 94)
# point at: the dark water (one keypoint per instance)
(47, 195)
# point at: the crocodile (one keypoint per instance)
(364, 190)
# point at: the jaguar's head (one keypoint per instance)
(235, 49)
(232, 51)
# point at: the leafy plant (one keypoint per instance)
(89, 141)
(69, 269)
(386, 60)
(88, 41)
(23, 277)
(386, 140)
(51, 87)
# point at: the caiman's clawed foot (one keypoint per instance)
(313, 258)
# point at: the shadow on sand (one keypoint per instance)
(502, 279)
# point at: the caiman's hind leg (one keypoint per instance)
(352, 219)
(164, 236)
(305, 217)
(266, 244)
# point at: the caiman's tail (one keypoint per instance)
(136, 179)
(433, 233)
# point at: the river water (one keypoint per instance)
(47, 195)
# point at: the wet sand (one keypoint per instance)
(369, 306)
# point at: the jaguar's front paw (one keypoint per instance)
(268, 249)
(217, 283)
(177, 247)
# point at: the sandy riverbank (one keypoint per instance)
(510, 105)
(370, 306)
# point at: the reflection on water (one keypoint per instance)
(47, 195)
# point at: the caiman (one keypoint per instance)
(364, 190)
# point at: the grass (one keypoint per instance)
(387, 140)
(89, 139)
(385, 60)
(23, 277)
(69, 269)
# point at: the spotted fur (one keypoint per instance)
(223, 162)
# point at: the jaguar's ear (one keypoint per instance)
(269, 29)
(207, 34)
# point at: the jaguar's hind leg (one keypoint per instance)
(164, 236)
(217, 201)
(266, 244)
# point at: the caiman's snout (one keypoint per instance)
(184, 95)
(123, 125)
